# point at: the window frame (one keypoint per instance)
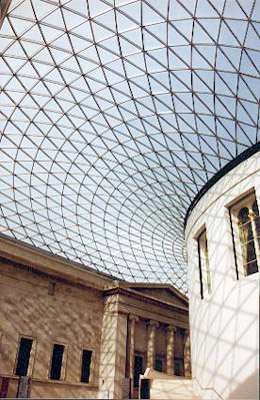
(241, 201)
(161, 358)
(143, 355)
(91, 368)
(206, 291)
(31, 357)
(63, 364)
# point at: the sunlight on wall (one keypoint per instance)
(224, 325)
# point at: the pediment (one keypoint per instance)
(165, 293)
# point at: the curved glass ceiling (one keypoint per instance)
(114, 114)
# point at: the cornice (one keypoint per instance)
(145, 285)
(31, 257)
(145, 298)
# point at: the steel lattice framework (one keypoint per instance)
(114, 114)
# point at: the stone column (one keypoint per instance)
(170, 349)
(152, 325)
(133, 319)
(186, 354)
(112, 355)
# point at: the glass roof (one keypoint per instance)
(114, 114)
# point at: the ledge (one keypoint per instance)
(47, 381)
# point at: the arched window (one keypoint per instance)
(247, 242)
(246, 231)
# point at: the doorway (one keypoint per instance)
(159, 364)
(138, 369)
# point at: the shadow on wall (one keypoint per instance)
(224, 323)
(226, 340)
(246, 390)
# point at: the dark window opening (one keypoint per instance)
(138, 370)
(85, 367)
(204, 271)
(178, 366)
(23, 357)
(200, 274)
(56, 363)
(159, 364)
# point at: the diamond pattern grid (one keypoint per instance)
(114, 114)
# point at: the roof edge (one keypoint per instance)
(155, 285)
(32, 256)
(119, 290)
(222, 172)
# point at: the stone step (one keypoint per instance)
(176, 389)
(170, 387)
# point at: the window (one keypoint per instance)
(158, 364)
(204, 271)
(23, 358)
(178, 366)
(85, 366)
(57, 361)
(138, 369)
(245, 224)
(51, 288)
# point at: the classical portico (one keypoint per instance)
(155, 318)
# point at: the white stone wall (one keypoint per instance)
(224, 325)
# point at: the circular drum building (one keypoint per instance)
(222, 241)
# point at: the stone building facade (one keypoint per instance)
(122, 328)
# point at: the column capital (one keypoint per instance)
(153, 323)
(171, 328)
(133, 317)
